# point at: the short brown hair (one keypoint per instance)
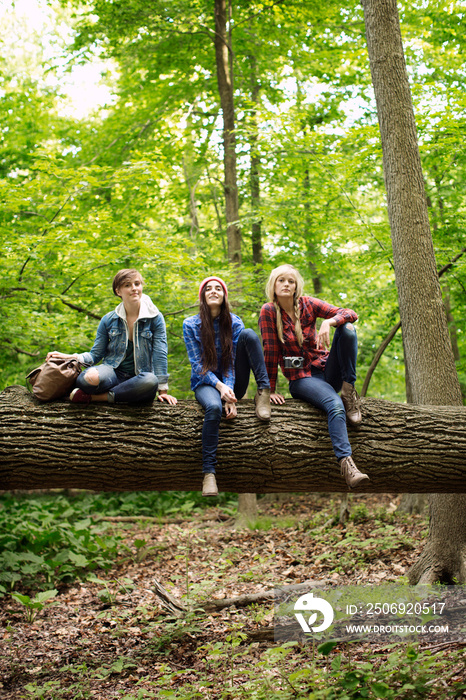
(123, 276)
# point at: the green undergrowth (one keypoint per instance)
(367, 536)
(52, 538)
(230, 669)
(154, 504)
(286, 672)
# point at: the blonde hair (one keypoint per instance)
(270, 291)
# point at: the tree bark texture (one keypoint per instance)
(225, 87)
(109, 448)
(444, 556)
(247, 509)
(430, 366)
(426, 339)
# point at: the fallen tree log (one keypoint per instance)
(178, 607)
(404, 448)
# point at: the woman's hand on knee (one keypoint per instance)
(277, 398)
(230, 410)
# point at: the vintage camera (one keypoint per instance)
(294, 362)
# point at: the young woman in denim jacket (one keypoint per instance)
(315, 374)
(131, 341)
(222, 353)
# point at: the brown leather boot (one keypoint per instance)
(352, 403)
(262, 401)
(349, 470)
(209, 485)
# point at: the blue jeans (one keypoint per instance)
(121, 387)
(249, 356)
(321, 389)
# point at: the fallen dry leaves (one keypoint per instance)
(108, 640)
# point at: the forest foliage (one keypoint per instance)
(138, 182)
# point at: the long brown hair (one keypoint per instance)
(209, 353)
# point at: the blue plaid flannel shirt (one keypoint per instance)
(192, 339)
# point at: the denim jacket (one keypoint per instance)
(149, 337)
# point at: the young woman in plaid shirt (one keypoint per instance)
(222, 352)
(290, 339)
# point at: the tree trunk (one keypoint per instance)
(425, 333)
(225, 87)
(311, 245)
(451, 323)
(412, 503)
(256, 229)
(158, 447)
(444, 556)
(428, 352)
(375, 360)
(247, 509)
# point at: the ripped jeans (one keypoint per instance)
(121, 386)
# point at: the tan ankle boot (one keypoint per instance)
(349, 470)
(352, 403)
(262, 401)
(209, 485)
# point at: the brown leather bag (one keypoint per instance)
(54, 378)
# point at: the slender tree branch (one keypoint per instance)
(380, 351)
(460, 283)
(12, 291)
(446, 267)
(180, 311)
(141, 131)
(97, 267)
(90, 162)
(349, 200)
(19, 350)
(80, 309)
(59, 210)
(33, 213)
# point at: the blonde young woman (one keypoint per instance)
(290, 339)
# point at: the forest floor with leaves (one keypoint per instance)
(110, 637)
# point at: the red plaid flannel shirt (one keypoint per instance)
(309, 310)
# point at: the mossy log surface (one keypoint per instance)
(403, 448)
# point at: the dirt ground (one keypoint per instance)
(113, 639)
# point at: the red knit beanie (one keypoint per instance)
(213, 279)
